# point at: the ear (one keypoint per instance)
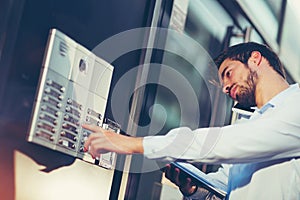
(255, 58)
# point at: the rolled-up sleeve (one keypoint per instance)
(178, 143)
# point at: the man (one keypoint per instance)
(262, 151)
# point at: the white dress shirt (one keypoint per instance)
(263, 149)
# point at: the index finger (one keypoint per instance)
(92, 127)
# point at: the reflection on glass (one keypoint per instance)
(264, 15)
(290, 41)
(206, 25)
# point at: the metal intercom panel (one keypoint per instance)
(73, 89)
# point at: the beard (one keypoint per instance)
(246, 96)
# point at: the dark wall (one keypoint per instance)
(24, 29)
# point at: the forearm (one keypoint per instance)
(134, 145)
(103, 141)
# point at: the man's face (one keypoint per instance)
(239, 82)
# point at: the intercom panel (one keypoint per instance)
(73, 89)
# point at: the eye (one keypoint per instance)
(228, 73)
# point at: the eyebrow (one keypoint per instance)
(223, 72)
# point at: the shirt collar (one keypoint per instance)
(277, 99)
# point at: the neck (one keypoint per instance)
(268, 87)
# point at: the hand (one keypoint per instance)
(185, 184)
(103, 141)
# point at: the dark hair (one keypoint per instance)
(242, 53)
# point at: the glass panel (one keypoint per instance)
(269, 11)
(207, 17)
(206, 25)
(275, 7)
(290, 41)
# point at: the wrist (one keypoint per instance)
(135, 145)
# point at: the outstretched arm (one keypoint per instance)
(103, 141)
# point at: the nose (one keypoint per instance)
(226, 88)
